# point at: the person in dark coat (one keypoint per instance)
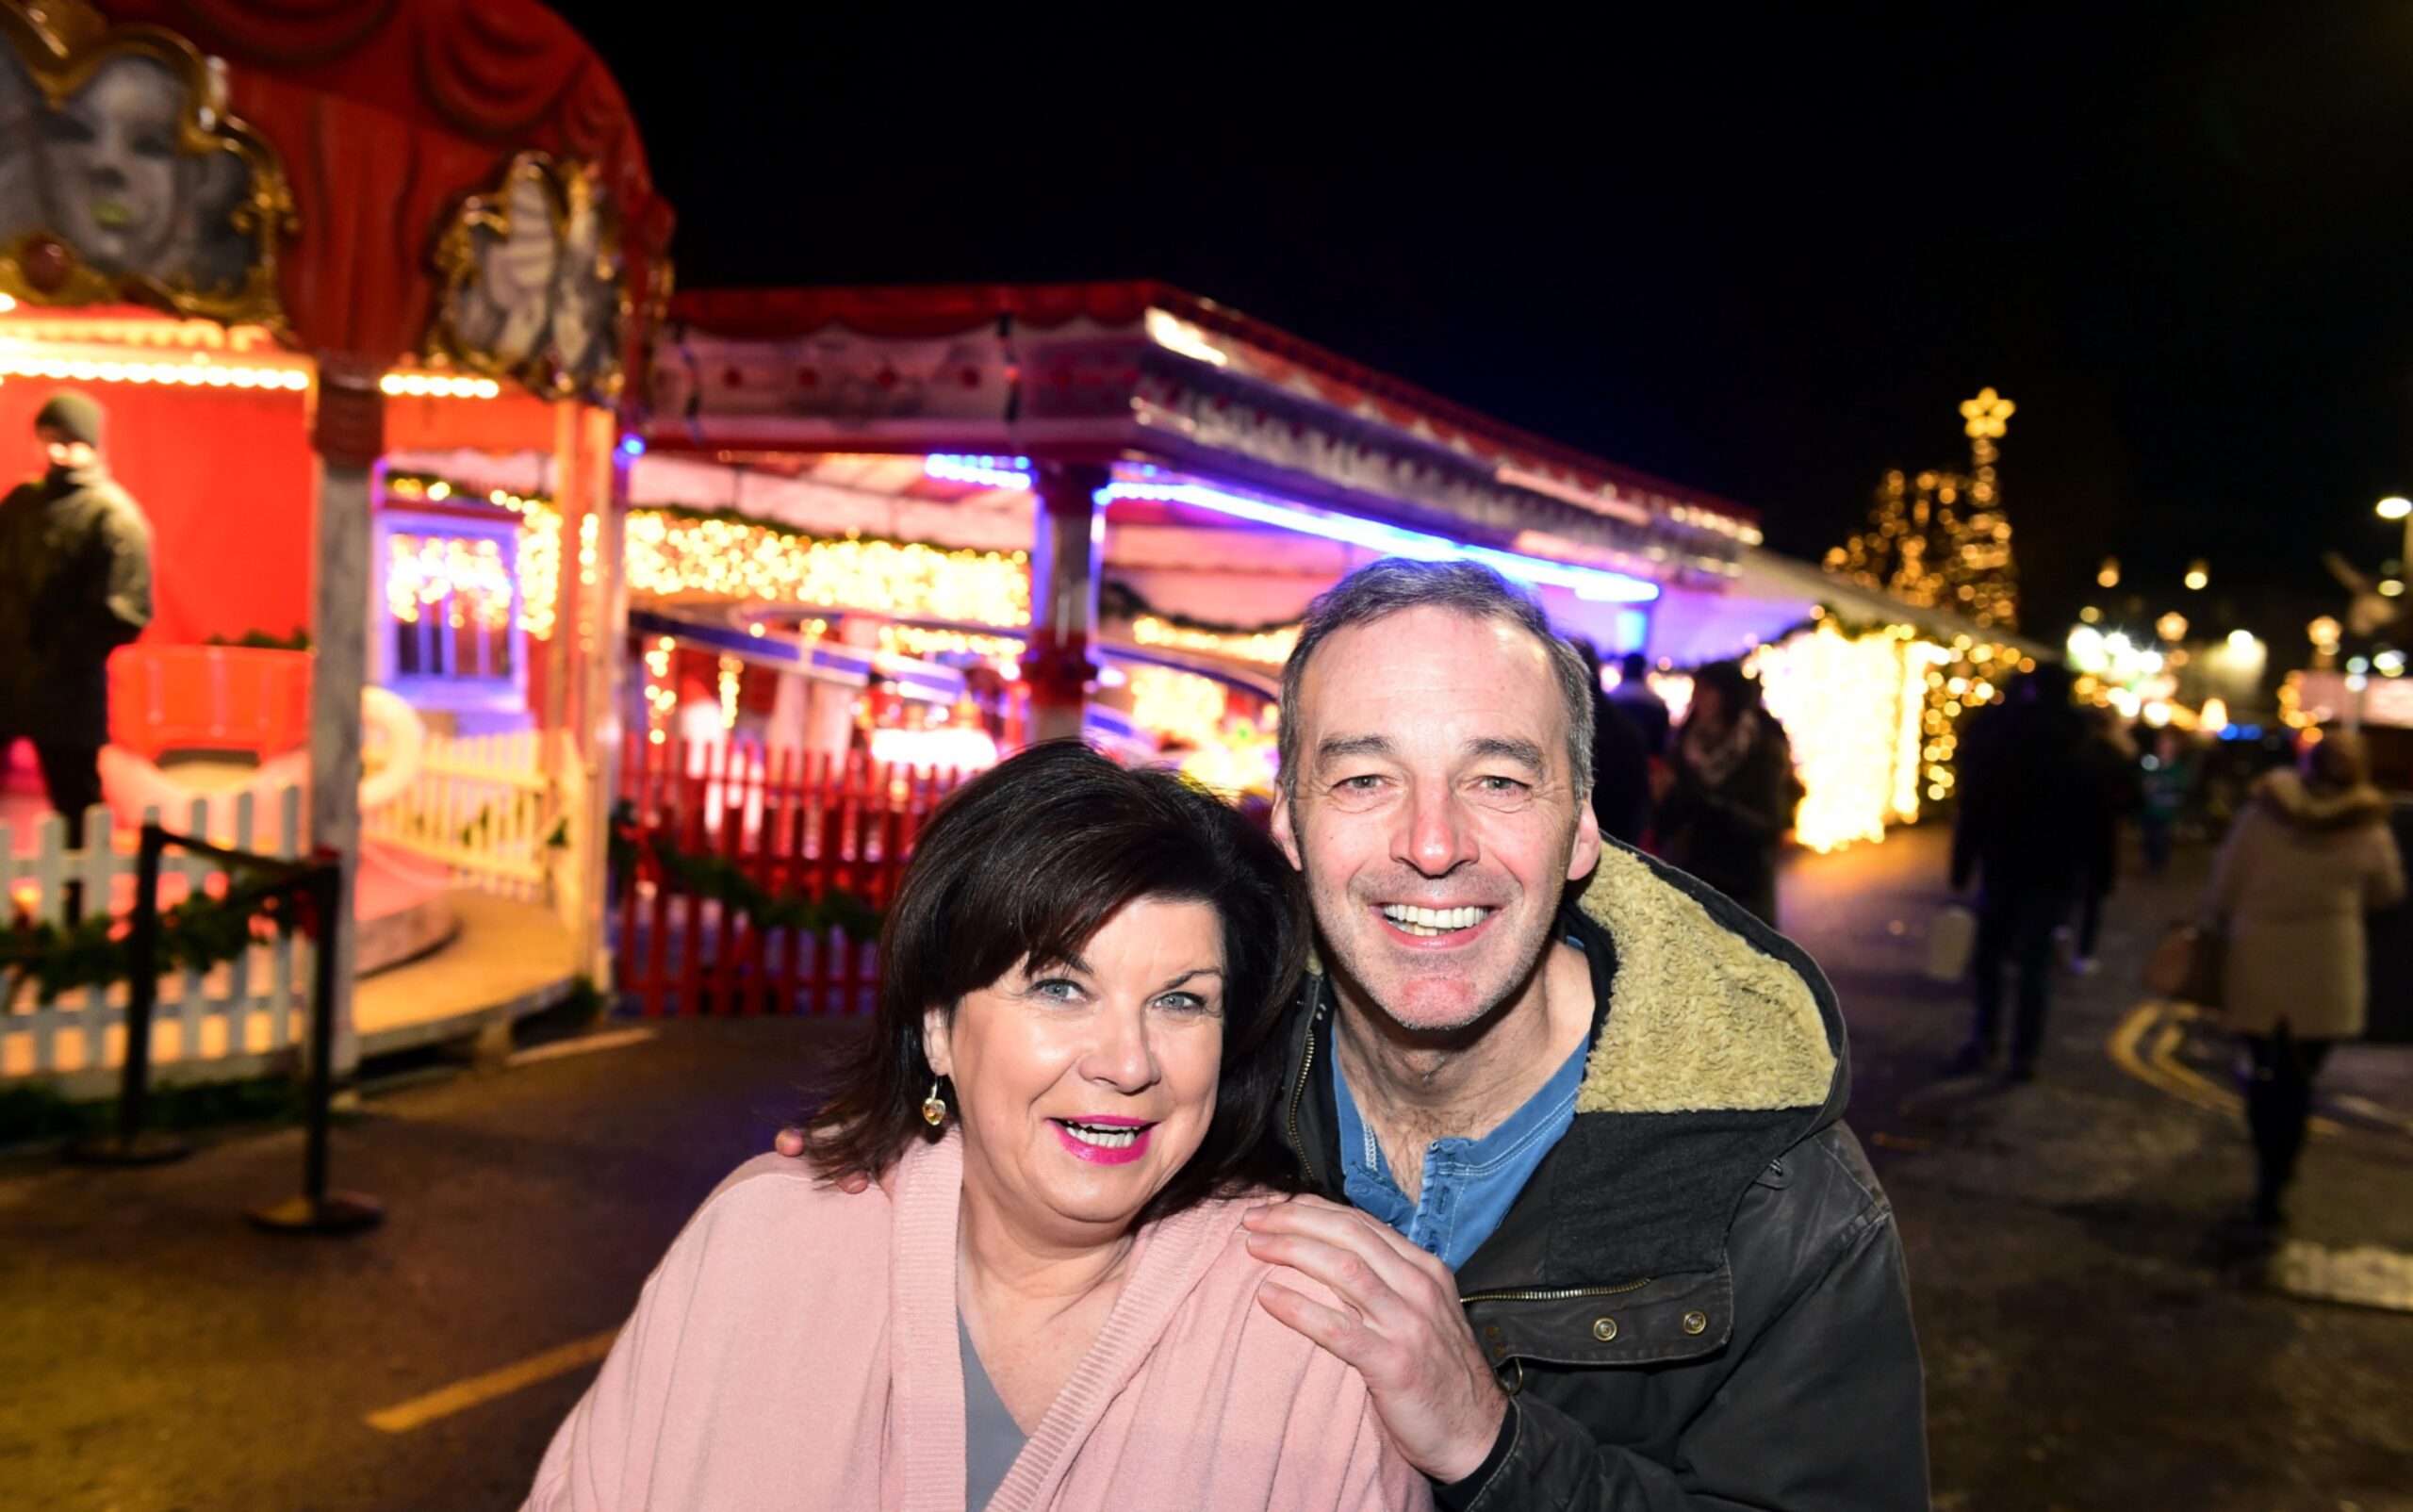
(2035, 803)
(2115, 756)
(1729, 791)
(74, 586)
(1637, 700)
(1620, 763)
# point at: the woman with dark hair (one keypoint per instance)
(1728, 792)
(2305, 862)
(1009, 1271)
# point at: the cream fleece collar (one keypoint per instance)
(1699, 1018)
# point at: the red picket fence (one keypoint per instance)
(788, 824)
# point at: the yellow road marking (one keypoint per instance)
(584, 1044)
(2160, 1067)
(478, 1389)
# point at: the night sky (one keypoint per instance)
(1763, 254)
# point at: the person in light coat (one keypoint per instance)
(2309, 857)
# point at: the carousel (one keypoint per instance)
(278, 250)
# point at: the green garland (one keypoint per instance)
(721, 880)
(196, 935)
(1119, 599)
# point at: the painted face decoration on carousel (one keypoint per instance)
(121, 173)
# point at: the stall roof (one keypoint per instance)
(1768, 575)
(1141, 370)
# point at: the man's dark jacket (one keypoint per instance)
(1699, 1300)
(74, 586)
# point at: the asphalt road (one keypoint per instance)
(2088, 1343)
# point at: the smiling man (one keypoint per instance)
(1607, 1242)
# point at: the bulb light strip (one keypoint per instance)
(439, 385)
(986, 473)
(1266, 647)
(167, 374)
(1392, 540)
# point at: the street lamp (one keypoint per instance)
(2397, 507)
(2199, 572)
(2172, 627)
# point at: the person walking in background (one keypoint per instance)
(2306, 861)
(2034, 803)
(2116, 755)
(1620, 763)
(1638, 701)
(2166, 779)
(1728, 794)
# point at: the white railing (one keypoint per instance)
(221, 1022)
(483, 805)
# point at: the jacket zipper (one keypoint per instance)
(1555, 1294)
(1299, 1092)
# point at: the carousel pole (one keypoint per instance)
(348, 433)
(1067, 550)
(602, 634)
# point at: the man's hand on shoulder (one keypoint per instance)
(1399, 1327)
(789, 1141)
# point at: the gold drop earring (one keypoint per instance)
(934, 1108)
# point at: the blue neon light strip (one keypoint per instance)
(985, 472)
(1392, 540)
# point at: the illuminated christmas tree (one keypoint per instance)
(1940, 539)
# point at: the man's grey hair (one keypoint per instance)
(1395, 585)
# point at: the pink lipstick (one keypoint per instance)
(1104, 1141)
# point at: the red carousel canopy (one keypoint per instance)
(386, 117)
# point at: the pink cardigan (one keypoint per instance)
(796, 1350)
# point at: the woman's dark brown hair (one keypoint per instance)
(1023, 865)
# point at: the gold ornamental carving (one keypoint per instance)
(123, 177)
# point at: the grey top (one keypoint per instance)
(992, 1439)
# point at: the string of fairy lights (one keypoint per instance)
(1939, 539)
(1873, 714)
(676, 556)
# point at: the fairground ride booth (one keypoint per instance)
(276, 244)
(1106, 507)
(1120, 498)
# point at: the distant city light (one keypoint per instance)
(2198, 574)
(2241, 641)
(2172, 627)
(2108, 577)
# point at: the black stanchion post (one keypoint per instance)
(133, 1144)
(318, 1210)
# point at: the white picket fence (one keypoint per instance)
(483, 805)
(233, 1016)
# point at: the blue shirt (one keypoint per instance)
(1469, 1184)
